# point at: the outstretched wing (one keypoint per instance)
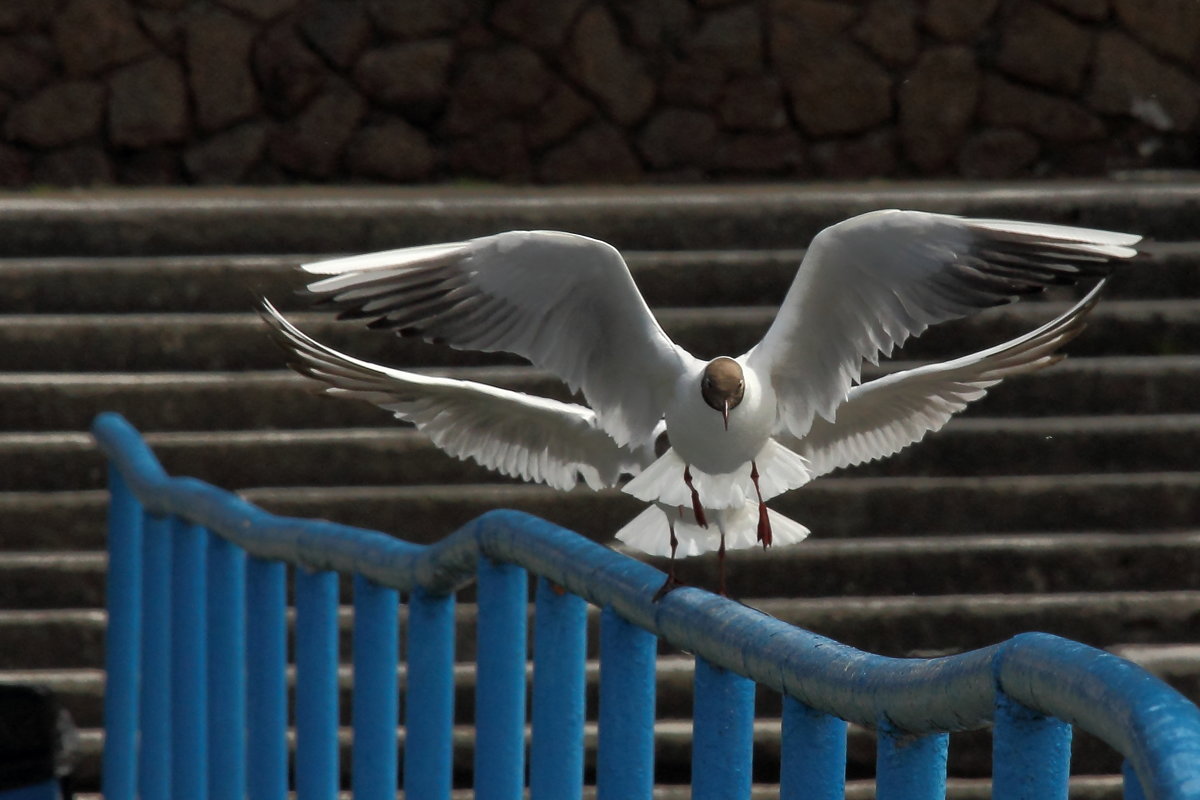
(869, 283)
(532, 438)
(883, 416)
(567, 303)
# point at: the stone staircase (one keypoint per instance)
(1067, 501)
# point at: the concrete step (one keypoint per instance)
(279, 400)
(689, 277)
(893, 626)
(400, 455)
(1037, 563)
(833, 508)
(239, 341)
(129, 222)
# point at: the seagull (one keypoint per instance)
(741, 429)
(547, 441)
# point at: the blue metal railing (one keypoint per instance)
(197, 645)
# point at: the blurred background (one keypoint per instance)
(336, 91)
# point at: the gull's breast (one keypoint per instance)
(699, 436)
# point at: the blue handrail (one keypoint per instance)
(1034, 676)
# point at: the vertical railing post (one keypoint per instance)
(559, 700)
(123, 641)
(375, 711)
(316, 685)
(154, 755)
(1031, 753)
(500, 681)
(266, 680)
(625, 755)
(1131, 784)
(429, 700)
(910, 767)
(226, 670)
(189, 661)
(813, 754)
(722, 734)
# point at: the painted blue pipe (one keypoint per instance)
(189, 660)
(375, 704)
(226, 670)
(123, 641)
(1156, 728)
(316, 685)
(559, 696)
(722, 734)
(625, 750)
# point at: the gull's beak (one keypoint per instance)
(725, 413)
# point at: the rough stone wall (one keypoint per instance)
(270, 91)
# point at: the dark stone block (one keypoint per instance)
(677, 137)
(23, 68)
(410, 77)
(227, 157)
(869, 156)
(59, 114)
(496, 85)
(338, 30)
(753, 103)
(597, 154)
(834, 86)
(218, 58)
(20, 16)
(147, 104)
(157, 166)
(498, 152)
(997, 153)
(1045, 115)
(730, 38)
(95, 35)
(311, 144)
(75, 166)
(956, 21)
(937, 100)
(775, 153)
(1132, 81)
(259, 9)
(889, 30)
(393, 150)
(15, 166)
(1170, 27)
(537, 23)
(417, 19)
(1044, 47)
(289, 74)
(607, 68)
(562, 112)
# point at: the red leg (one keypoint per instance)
(764, 521)
(671, 582)
(697, 509)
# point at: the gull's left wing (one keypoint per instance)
(519, 435)
(868, 283)
(883, 416)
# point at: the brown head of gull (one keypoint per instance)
(723, 385)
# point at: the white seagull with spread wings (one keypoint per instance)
(741, 430)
